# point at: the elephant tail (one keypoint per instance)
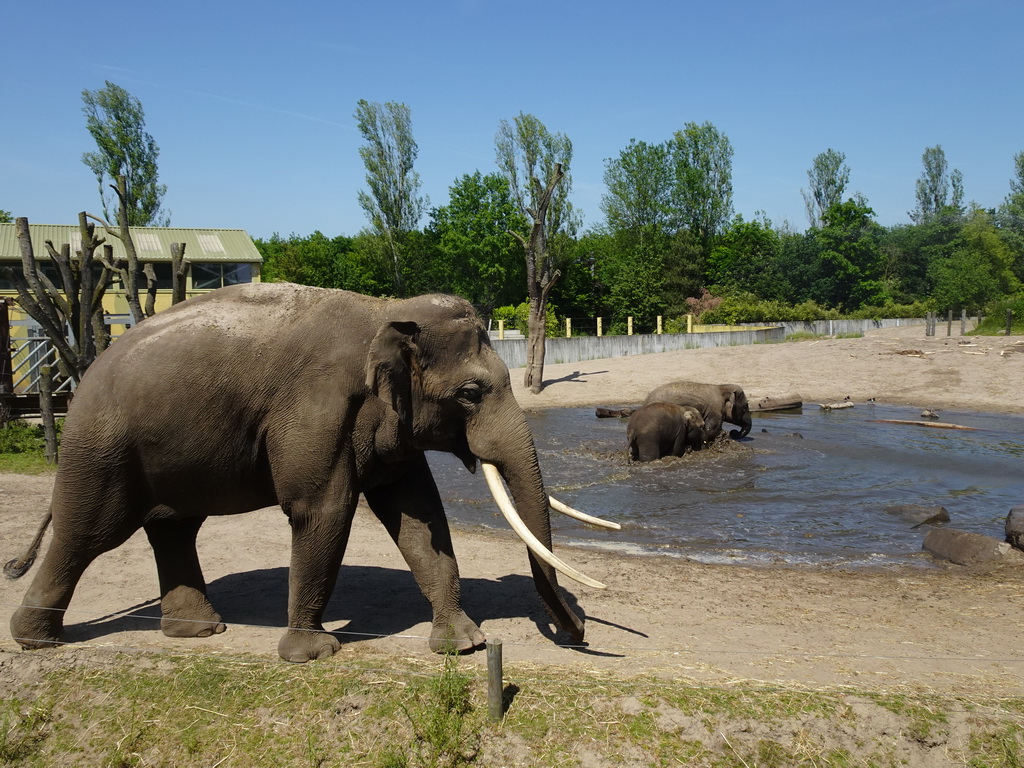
(15, 569)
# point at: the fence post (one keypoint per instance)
(501, 329)
(495, 691)
(689, 323)
(963, 322)
(599, 326)
(1009, 321)
(568, 328)
(629, 326)
(949, 322)
(46, 412)
(659, 323)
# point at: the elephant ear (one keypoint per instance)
(390, 366)
(729, 403)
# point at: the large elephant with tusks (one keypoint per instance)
(265, 394)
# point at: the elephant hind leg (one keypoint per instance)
(186, 610)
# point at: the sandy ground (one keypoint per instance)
(943, 628)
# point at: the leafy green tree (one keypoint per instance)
(630, 266)
(937, 188)
(849, 265)
(5, 217)
(536, 164)
(323, 262)
(745, 258)
(1010, 216)
(393, 205)
(116, 121)
(978, 268)
(639, 188)
(483, 263)
(828, 177)
(701, 158)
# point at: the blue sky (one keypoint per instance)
(252, 103)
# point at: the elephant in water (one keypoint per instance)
(717, 403)
(658, 429)
(263, 394)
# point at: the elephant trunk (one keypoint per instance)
(514, 456)
(744, 423)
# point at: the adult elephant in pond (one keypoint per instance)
(717, 403)
(265, 394)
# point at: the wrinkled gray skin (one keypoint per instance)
(717, 403)
(265, 394)
(658, 429)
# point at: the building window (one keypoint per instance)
(207, 276)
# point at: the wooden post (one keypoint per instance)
(568, 328)
(963, 322)
(659, 323)
(689, 323)
(1009, 321)
(501, 329)
(949, 322)
(599, 326)
(46, 412)
(495, 687)
(629, 326)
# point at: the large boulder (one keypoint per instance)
(965, 548)
(918, 514)
(1015, 527)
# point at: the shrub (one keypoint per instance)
(994, 320)
(518, 318)
(18, 436)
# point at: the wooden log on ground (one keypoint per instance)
(778, 403)
(933, 424)
(836, 406)
(613, 413)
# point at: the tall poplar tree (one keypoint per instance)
(116, 121)
(393, 204)
(828, 177)
(937, 187)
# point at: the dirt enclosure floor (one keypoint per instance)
(940, 627)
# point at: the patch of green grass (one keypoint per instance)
(379, 711)
(25, 464)
(809, 336)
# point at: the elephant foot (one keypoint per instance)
(187, 613)
(302, 645)
(191, 627)
(35, 628)
(456, 635)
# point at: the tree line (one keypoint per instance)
(670, 242)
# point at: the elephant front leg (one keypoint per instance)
(186, 610)
(411, 510)
(320, 533)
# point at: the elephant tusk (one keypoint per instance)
(501, 498)
(568, 511)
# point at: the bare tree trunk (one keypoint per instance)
(46, 412)
(179, 272)
(541, 277)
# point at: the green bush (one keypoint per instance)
(891, 310)
(518, 318)
(994, 319)
(18, 436)
(747, 308)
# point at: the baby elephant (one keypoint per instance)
(663, 429)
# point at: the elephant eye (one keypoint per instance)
(470, 393)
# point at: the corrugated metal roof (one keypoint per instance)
(152, 243)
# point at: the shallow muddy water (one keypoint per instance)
(808, 486)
